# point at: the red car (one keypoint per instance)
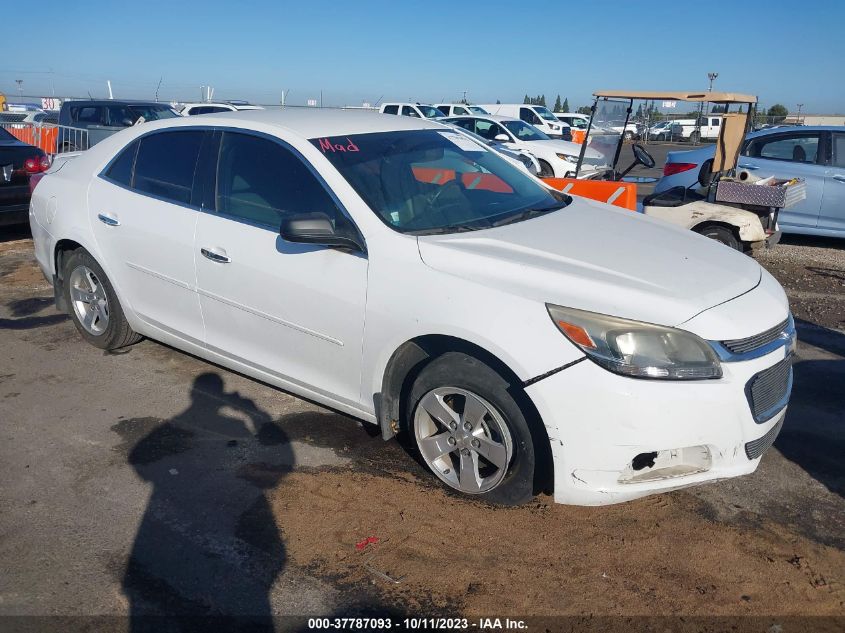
(19, 162)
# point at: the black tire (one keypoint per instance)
(546, 170)
(629, 135)
(694, 137)
(116, 333)
(721, 234)
(460, 370)
(67, 147)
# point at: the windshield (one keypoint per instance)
(545, 113)
(153, 112)
(477, 110)
(603, 137)
(430, 112)
(524, 132)
(436, 181)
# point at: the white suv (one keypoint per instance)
(391, 268)
(417, 110)
(539, 116)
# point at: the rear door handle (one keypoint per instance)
(108, 218)
(839, 177)
(216, 255)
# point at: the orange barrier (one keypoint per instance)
(578, 136)
(619, 194)
(470, 180)
(42, 137)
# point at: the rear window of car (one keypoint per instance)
(120, 171)
(391, 109)
(165, 164)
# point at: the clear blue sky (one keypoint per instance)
(788, 52)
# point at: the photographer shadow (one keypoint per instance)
(207, 550)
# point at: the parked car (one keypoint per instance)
(557, 158)
(813, 153)
(519, 157)
(573, 119)
(667, 131)
(520, 338)
(18, 162)
(458, 109)
(417, 110)
(94, 120)
(538, 116)
(203, 107)
(707, 127)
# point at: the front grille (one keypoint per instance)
(755, 448)
(768, 391)
(749, 344)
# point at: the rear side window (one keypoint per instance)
(121, 169)
(260, 181)
(799, 148)
(166, 163)
(89, 114)
(208, 110)
(409, 111)
(839, 150)
(391, 109)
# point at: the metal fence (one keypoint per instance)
(53, 139)
(693, 129)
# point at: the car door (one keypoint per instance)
(410, 111)
(295, 311)
(143, 214)
(832, 211)
(793, 154)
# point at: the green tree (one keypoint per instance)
(527, 99)
(584, 110)
(557, 105)
(777, 113)
(565, 105)
(497, 101)
(542, 100)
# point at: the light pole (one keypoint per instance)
(800, 105)
(20, 86)
(712, 78)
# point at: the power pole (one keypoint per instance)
(20, 86)
(800, 105)
(712, 78)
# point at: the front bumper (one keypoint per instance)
(601, 425)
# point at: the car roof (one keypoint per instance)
(800, 128)
(307, 122)
(488, 117)
(116, 102)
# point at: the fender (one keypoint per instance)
(699, 212)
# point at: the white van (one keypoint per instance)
(574, 120)
(418, 110)
(538, 116)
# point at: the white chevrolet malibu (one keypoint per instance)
(390, 268)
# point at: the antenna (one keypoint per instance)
(375, 105)
(111, 96)
(158, 86)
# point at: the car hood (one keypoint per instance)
(563, 147)
(593, 257)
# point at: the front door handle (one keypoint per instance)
(216, 255)
(108, 218)
(839, 177)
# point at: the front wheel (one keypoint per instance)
(94, 307)
(723, 235)
(694, 138)
(470, 431)
(546, 170)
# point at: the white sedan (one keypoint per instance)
(522, 339)
(557, 158)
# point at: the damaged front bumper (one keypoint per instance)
(616, 438)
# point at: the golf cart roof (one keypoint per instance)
(706, 97)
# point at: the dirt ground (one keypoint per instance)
(771, 544)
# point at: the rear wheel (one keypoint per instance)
(721, 234)
(470, 431)
(94, 307)
(694, 138)
(546, 170)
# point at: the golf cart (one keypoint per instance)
(725, 205)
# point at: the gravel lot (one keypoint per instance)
(151, 482)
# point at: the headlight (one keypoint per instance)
(636, 349)
(555, 127)
(568, 157)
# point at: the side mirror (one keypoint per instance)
(502, 138)
(317, 228)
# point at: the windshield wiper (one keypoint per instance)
(526, 214)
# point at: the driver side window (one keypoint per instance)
(260, 181)
(409, 111)
(487, 129)
(527, 115)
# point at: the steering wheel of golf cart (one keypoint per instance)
(642, 156)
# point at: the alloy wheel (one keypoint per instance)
(89, 300)
(463, 439)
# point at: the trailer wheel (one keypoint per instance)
(720, 234)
